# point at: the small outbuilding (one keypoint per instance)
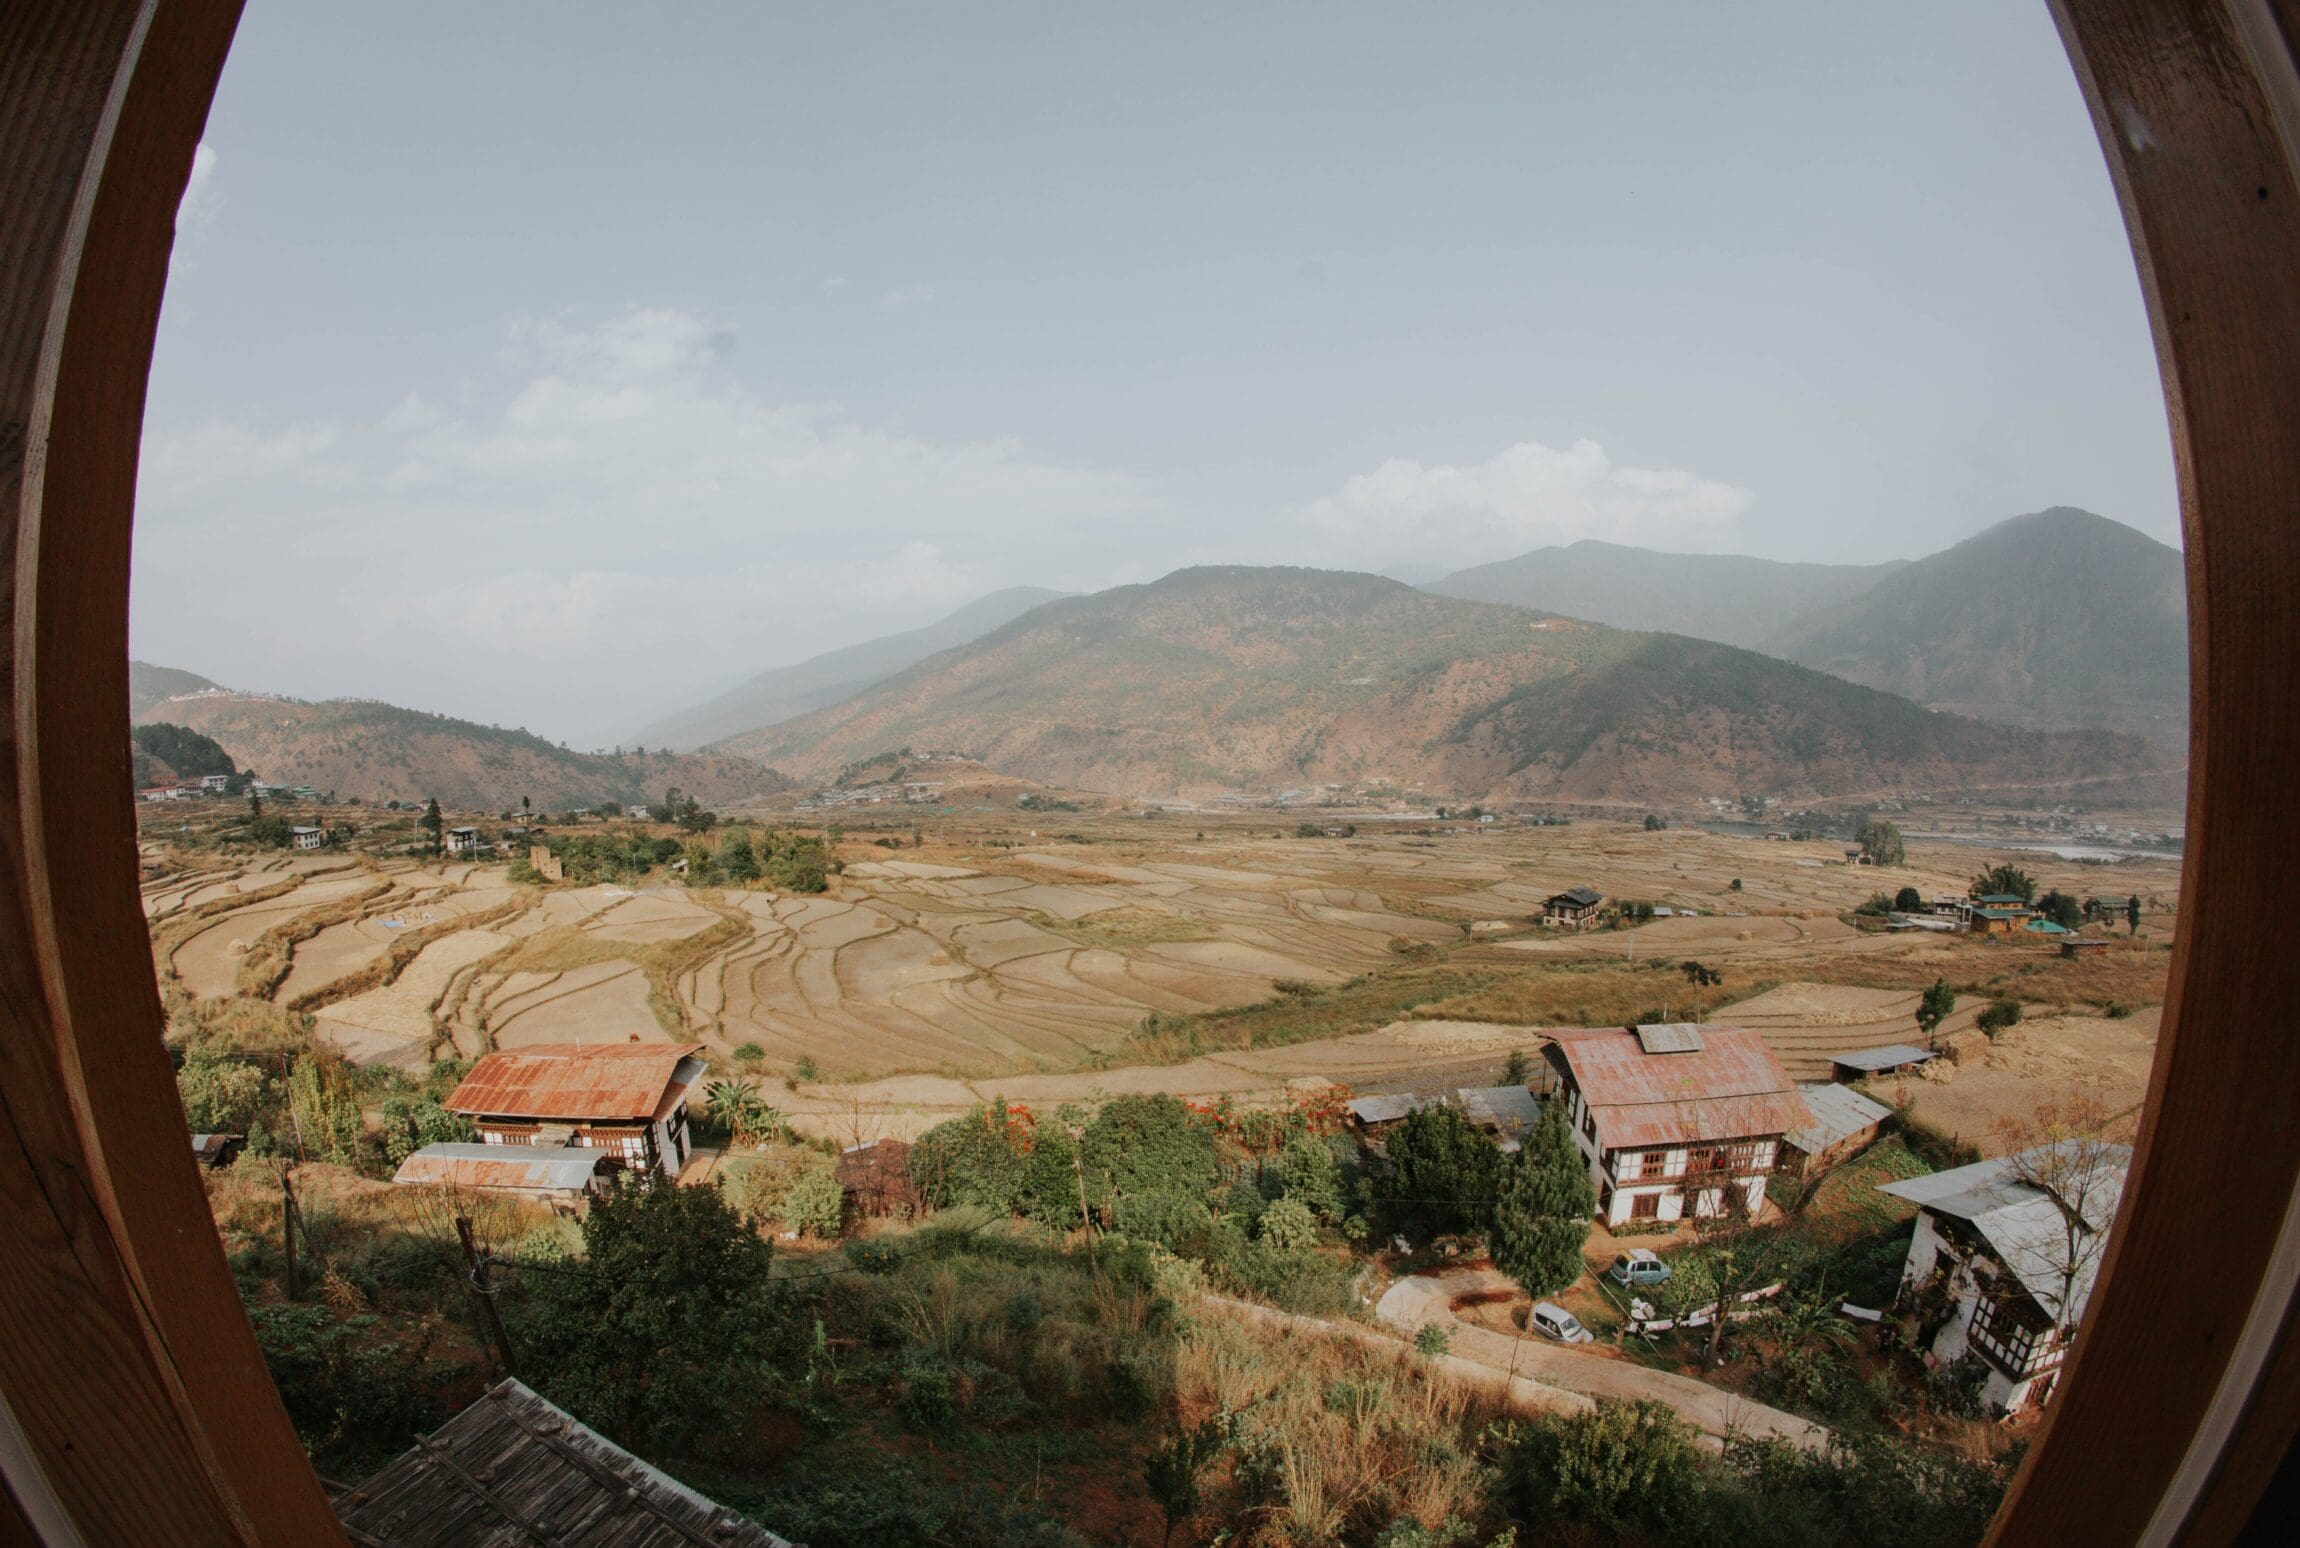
(562, 1177)
(217, 1149)
(1504, 1112)
(514, 1468)
(1862, 1063)
(1374, 1116)
(1845, 1123)
(628, 1100)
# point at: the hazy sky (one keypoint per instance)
(557, 364)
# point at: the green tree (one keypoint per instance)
(1936, 1006)
(2005, 879)
(1880, 842)
(1288, 1225)
(2132, 913)
(434, 824)
(1140, 1145)
(663, 1329)
(1618, 1466)
(816, 1205)
(2002, 1013)
(1174, 1469)
(1700, 976)
(738, 861)
(1513, 1071)
(977, 1160)
(1310, 1174)
(1908, 900)
(412, 1122)
(1542, 1220)
(2062, 909)
(1443, 1174)
(325, 1109)
(221, 1094)
(1654, 824)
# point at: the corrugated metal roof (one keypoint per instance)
(1839, 1113)
(1512, 1109)
(2023, 1227)
(514, 1469)
(1579, 897)
(1891, 1056)
(527, 1168)
(1388, 1107)
(1669, 1037)
(576, 1080)
(1730, 1088)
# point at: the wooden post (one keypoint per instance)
(1085, 1220)
(289, 1222)
(483, 1297)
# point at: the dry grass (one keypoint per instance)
(1591, 994)
(1122, 928)
(1336, 1441)
(567, 947)
(185, 923)
(1300, 1014)
(2130, 973)
(272, 953)
(407, 947)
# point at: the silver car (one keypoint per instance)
(1551, 1320)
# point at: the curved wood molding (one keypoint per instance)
(134, 1405)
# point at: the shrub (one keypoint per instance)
(1432, 1342)
(815, 1205)
(1310, 1173)
(1289, 1224)
(1443, 1174)
(749, 1053)
(2002, 1013)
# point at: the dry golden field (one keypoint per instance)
(1133, 955)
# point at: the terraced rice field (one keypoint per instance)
(977, 962)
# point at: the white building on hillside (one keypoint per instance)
(2005, 1253)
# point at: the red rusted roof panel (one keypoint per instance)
(574, 1081)
(1730, 1088)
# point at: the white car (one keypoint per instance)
(1551, 1320)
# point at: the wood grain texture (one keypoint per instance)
(127, 1364)
(2212, 204)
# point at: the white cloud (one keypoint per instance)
(908, 295)
(1523, 497)
(605, 509)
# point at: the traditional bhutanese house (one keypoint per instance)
(1574, 908)
(307, 838)
(2004, 1257)
(628, 1099)
(1861, 1063)
(876, 1178)
(513, 1470)
(1845, 1123)
(1505, 1112)
(1675, 1120)
(216, 1149)
(463, 841)
(561, 1176)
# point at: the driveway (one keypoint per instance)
(1415, 1303)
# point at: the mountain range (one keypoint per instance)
(1232, 677)
(785, 692)
(374, 751)
(2058, 619)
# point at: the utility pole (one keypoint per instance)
(1085, 1220)
(483, 1295)
(290, 1223)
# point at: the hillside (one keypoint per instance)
(822, 680)
(1727, 597)
(149, 684)
(2061, 618)
(166, 754)
(1257, 678)
(374, 751)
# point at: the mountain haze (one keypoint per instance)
(1731, 598)
(2061, 618)
(374, 751)
(784, 692)
(1252, 678)
(149, 684)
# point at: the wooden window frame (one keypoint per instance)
(134, 1404)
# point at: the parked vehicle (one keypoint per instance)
(1551, 1320)
(1639, 1266)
